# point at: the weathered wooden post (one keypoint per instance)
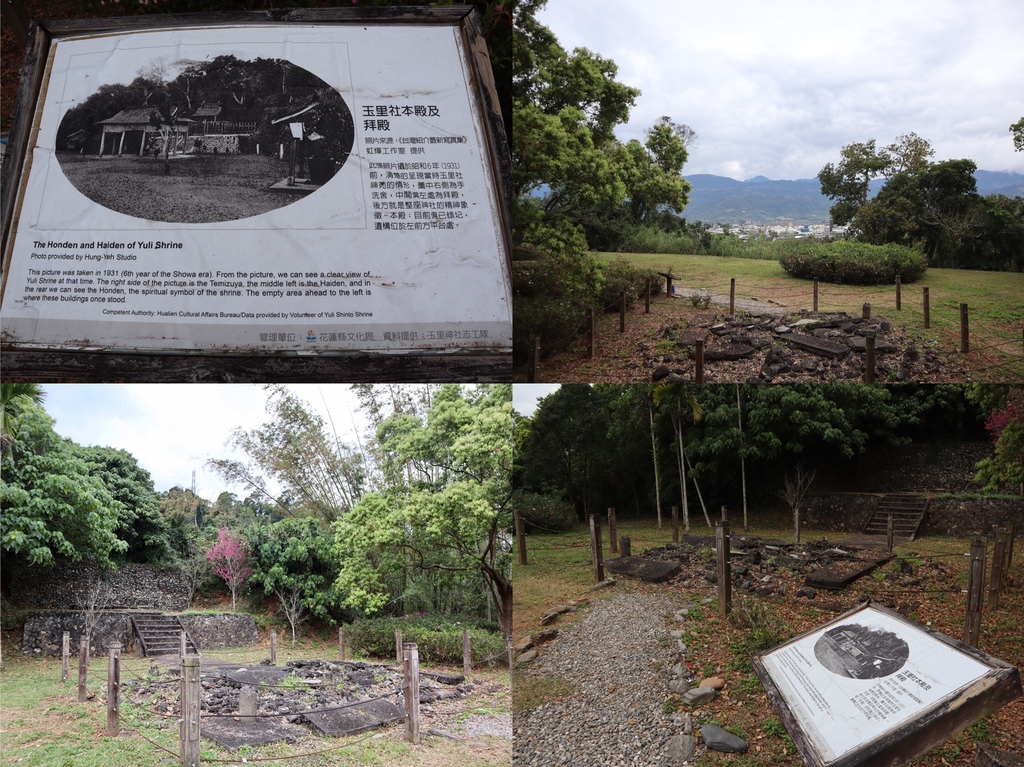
(411, 670)
(65, 657)
(467, 655)
(596, 555)
(625, 546)
(622, 312)
(1011, 530)
(725, 512)
(889, 528)
(592, 333)
(927, 309)
(114, 689)
(965, 333)
(520, 537)
(191, 693)
(869, 359)
(613, 538)
(341, 642)
(647, 302)
(998, 554)
(698, 370)
(83, 668)
(398, 644)
(975, 592)
(273, 648)
(182, 645)
(732, 296)
(815, 295)
(866, 312)
(899, 294)
(724, 571)
(675, 524)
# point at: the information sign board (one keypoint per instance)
(872, 687)
(253, 187)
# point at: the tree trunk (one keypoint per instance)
(682, 471)
(743, 458)
(654, 453)
(700, 495)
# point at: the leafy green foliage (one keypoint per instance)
(620, 275)
(544, 513)
(439, 638)
(450, 510)
(52, 504)
(853, 263)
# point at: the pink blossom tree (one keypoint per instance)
(229, 560)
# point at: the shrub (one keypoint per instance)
(621, 275)
(439, 638)
(853, 263)
(544, 513)
(648, 239)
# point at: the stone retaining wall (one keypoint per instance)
(222, 630)
(955, 517)
(43, 634)
(132, 587)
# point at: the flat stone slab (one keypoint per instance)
(839, 575)
(819, 346)
(731, 353)
(450, 679)
(232, 734)
(356, 719)
(649, 570)
(860, 344)
(717, 739)
(258, 675)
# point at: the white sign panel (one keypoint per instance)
(264, 188)
(857, 679)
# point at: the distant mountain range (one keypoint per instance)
(722, 200)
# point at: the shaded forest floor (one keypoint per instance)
(926, 582)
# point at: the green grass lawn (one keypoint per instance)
(995, 299)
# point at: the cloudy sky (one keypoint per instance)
(777, 89)
(173, 429)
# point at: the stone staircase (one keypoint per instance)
(907, 509)
(161, 635)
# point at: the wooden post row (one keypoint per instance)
(889, 530)
(927, 309)
(596, 554)
(411, 670)
(732, 296)
(975, 592)
(182, 646)
(114, 690)
(899, 294)
(625, 546)
(724, 570)
(191, 692)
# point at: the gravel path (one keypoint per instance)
(616, 661)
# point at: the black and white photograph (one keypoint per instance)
(860, 652)
(191, 141)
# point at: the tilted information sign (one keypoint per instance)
(874, 688)
(252, 188)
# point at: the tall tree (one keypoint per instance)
(847, 183)
(51, 504)
(229, 559)
(11, 395)
(454, 513)
(323, 475)
(680, 400)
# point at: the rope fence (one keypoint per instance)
(980, 342)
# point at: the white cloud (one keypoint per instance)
(777, 89)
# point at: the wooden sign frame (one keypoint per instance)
(436, 361)
(898, 737)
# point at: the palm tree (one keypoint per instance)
(678, 400)
(10, 395)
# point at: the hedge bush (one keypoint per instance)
(621, 275)
(544, 513)
(439, 638)
(854, 263)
